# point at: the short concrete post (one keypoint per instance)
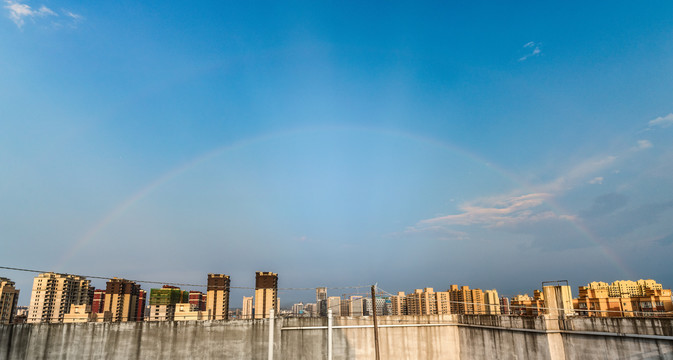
(271, 331)
(329, 334)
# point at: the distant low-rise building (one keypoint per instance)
(79, 314)
(524, 305)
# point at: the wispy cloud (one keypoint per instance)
(493, 213)
(597, 180)
(18, 12)
(643, 144)
(534, 49)
(72, 15)
(661, 121)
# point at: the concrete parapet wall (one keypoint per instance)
(151, 340)
(401, 337)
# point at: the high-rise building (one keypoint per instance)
(217, 300)
(355, 306)
(311, 309)
(399, 304)
(321, 300)
(345, 307)
(198, 300)
(368, 308)
(597, 302)
(491, 301)
(626, 288)
(98, 301)
(140, 311)
(266, 294)
(504, 305)
(428, 302)
(121, 301)
(298, 309)
(334, 304)
(9, 296)
(163, 302)
(466, 300)
(52, 295)
(248, 308)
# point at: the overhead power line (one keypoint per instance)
(175, 284)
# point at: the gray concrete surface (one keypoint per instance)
(401, 337)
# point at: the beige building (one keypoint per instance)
(52, 295)
(345, 307)
(597, 302)
(466, 300)
(248, 307)
(626, 288)
(79, 314)
(266, 294)
(122, 301)
(428, 302)
(188, 312)
(356, 306)
(525, 305)
(9, 296)
(399, 304)
(492, 302)
(163, 302)
(217, 299)
(334, 304)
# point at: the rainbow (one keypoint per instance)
(122, 207)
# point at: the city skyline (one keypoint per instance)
(495, 145)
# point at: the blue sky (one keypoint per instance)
(409, 144)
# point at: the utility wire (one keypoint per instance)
(176, 284)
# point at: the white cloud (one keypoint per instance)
(72, 15)
(535, 52)
(18, 12)
(597, 180)
(643, 144)
(492, 214)
(662, 121)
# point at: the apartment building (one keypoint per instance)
(217, 298)
(266, 294)
(9, 296)
(53, 294)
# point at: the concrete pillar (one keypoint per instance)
(554, 338)
(271, 331)
(329, 334)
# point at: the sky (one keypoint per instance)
(408, 144)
